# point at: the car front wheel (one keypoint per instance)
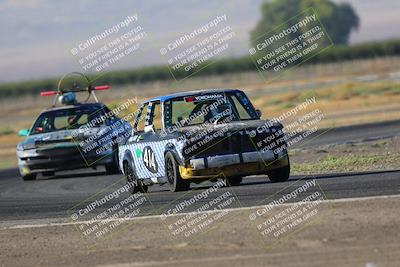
(29, 177)
(234, 180)
(175, 181)
(279, 175)
(112, 168)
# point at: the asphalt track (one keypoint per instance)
(55, 197)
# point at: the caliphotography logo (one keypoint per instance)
(200, 133)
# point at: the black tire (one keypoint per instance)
(234, 180)
(113, 168)
(136, 186)
(279, 175)
(175, 181)
(29, 177)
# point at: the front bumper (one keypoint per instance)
(59, 159)
(243, 164)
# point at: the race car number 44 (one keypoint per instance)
(149, 159)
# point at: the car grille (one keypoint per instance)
(229, 144)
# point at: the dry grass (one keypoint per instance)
(343, 100)
(367, 156)
(344, 104)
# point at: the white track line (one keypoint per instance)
(39, 222)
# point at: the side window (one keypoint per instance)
(141, 119)
(182, 110)
(106, 110)
(156, 116)
(242, 112)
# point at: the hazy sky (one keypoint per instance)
(37, 35)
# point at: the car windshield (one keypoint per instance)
(208, 108)
(63, 119)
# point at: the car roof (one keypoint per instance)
(99, 105)
(187, 93)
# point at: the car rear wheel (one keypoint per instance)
(136, 185)
(29, 177)
(279, 175)
(175, 181)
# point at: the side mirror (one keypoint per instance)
(258, 112)
(23, 132)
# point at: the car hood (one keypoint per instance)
(251, 127)
(58, 137)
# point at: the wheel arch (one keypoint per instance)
(170, 147)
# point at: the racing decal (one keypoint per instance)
(149, 159)
(203, 97)
(158, 148)
(137, 150)
(138, 153)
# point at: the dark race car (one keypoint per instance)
(193, 136)
(72, 136)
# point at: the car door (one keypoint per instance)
(147, 145)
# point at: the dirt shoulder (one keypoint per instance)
(378, 155)
(348, 233)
